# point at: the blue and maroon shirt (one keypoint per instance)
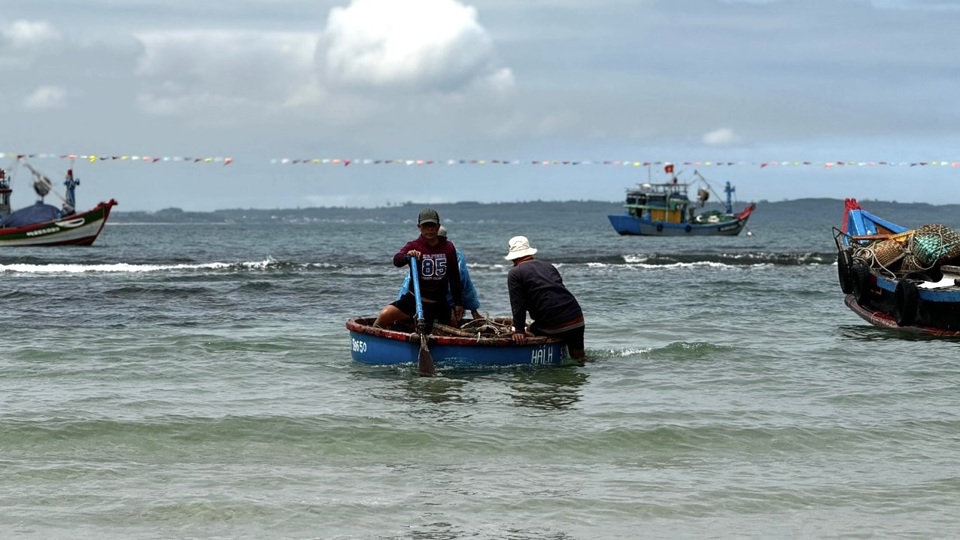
(439, 271)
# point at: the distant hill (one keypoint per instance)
(826, 211)
(830, 211)
(464, 211)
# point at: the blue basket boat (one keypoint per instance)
(476, 344)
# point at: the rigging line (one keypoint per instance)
(38, 174)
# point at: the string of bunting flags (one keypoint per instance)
(93, 158)
(345, 162)
(621, 163)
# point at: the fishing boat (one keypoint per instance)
(899, 278)
(43, 224)
(476, 343)
(665, 209)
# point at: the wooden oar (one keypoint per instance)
(891, 236)
(424, 359)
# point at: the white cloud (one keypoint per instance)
(22, 34)
(46, 97)
(22, 40)
(428, 59)
(188, 72)
(372, 55)
(428, 45)
(721, 137)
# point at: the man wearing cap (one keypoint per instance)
(537, 287)
(438, 274)
(470, 300)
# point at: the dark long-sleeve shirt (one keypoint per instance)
(537, 287)
(439, 270)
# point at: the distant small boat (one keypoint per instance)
(666, 210)
(43, 224)
(899, 278)
(476, 344)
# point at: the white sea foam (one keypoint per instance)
(123, 268)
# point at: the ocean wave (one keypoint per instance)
(133, 268)
(747, 258)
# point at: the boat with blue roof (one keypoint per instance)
(665, 209)
(42, 224)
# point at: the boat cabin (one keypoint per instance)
(668, 203)
(5, 192)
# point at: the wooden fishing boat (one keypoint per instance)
(899, 278)
(475, 344)
(43, 224)
(665, 209)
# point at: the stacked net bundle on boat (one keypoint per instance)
(887, 252)
(884, 254)
(930, 245)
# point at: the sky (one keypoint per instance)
(209, 105)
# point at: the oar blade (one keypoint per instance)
(425, 359)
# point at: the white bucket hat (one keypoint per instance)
(519, 247)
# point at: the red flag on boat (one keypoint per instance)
(668, 169)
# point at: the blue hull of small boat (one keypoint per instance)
(374, 346)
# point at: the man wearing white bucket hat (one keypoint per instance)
(537, 287)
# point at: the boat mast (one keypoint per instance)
(729, 190)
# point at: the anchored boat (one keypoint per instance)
(666, 209)
(43, 224)
(899, 278)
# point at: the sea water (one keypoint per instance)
(195, 381)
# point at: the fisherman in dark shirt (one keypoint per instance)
(537, 287)
(438, 272)
(470, 300)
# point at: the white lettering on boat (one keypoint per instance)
(359, 346)
(38, 232)
(543, 355)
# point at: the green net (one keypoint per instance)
(930, 245)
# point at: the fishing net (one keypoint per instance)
(887, 252)
(929, 245)
(883, 255)
(911, 264)
(490, 327)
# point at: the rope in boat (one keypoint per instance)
(881, 255)
(490, 326)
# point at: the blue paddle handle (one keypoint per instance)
(416, 288)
